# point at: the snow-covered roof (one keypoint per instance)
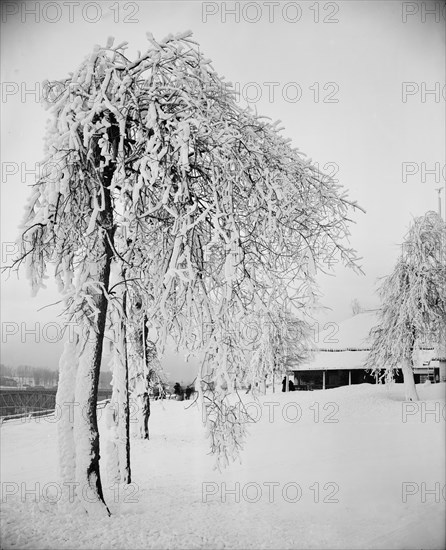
(345, 345)
(333, 360)
(354, 360)
(352, 333)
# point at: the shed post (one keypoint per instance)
(323, 380)
(349, 377)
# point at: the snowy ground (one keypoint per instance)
(360, 482)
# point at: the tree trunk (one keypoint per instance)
(64, 412)
(409, 381)
(127, 474)
(145, 416)
(118, 447)
(85, 424)
(121, 385)
(145, 398)
(86, 432)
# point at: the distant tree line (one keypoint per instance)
(34, 376)
(41, 376)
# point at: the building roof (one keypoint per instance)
(333, 360)
(352, 333)
(345, 345)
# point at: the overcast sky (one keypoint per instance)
(359, 87)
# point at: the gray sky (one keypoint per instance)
(359, 87)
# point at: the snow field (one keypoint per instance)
(352, 467)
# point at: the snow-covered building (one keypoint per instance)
(341, 353)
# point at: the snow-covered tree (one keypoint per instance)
(282, 340)
(413, 301)
(154, 171)
(356, 306)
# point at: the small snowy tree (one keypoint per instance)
(356, 306)
(413, 301)
(155, 172)
(282, 340)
